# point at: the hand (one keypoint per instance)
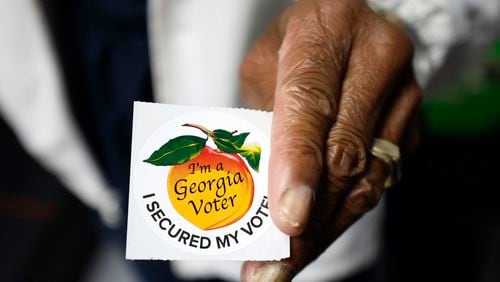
(336, 75)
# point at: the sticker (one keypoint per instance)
(198, 187)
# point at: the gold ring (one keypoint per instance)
(389, 153)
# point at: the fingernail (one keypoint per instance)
(295, 204)
(272, 272)
(343, 160)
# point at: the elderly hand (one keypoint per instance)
(336, 76)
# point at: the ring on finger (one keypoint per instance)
(390, 154)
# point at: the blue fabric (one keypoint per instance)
(114, 58)
(104, 49)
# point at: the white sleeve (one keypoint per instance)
(32, 102)
(439, 25)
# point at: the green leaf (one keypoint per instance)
(252, 154)
(177, 151)
(227, 142)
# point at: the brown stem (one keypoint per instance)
(202, 128)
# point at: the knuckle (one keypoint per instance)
(261, 56)
(396, 44)
(319, 45)
(250, 68)
(346, 153)
(309, 96)
(303, 146)
(363, 198)
(258, 79)
(307, 91)
(246, 69)
(310, 53)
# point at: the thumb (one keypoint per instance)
(305, 107)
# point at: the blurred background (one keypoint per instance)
(443, 220)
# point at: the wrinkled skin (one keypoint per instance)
(336, 75)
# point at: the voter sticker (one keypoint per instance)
(198, 185)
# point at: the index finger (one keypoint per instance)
(308, 85)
